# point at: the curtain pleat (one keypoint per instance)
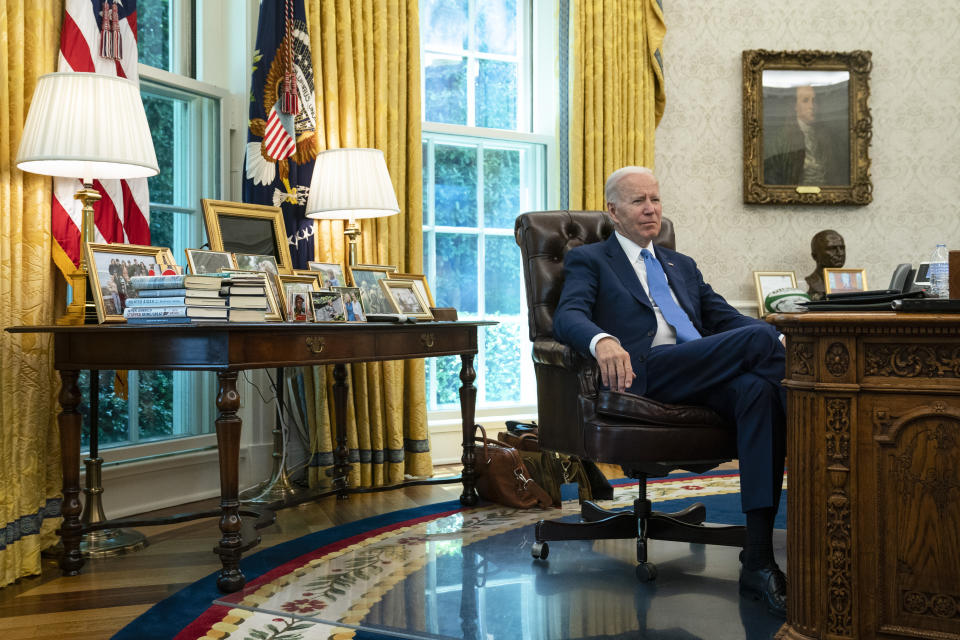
(366, 62)
(29, 446)
(618, 94)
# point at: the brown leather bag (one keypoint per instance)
(503, 478)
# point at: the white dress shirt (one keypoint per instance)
(666, 334)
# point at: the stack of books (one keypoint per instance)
(246, 297)
(183, 298)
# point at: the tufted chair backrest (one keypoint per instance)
(544, 238)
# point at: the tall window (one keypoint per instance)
(483, 165)
(184, 117)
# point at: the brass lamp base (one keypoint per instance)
(105, 542)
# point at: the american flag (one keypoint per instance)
(99, 36)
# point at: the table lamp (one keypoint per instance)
(88, 126)
(349, 184)
(93, 127)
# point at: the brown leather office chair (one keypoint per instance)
(577, 417)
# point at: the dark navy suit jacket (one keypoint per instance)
(602, 294)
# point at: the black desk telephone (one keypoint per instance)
(906, 283)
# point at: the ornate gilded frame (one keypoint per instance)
(852, 187)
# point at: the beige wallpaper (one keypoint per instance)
(915, 151)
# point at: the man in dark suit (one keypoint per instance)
(657, 329)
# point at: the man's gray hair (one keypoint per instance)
(610, 189)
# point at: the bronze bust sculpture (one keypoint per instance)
(828, 251)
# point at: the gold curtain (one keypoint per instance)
(29, 448)
(366, 62)
(618, 94)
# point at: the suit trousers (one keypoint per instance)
(738, 374)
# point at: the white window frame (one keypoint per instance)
(197, 407)
(540, 76)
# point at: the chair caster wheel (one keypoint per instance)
(646, 571)
(540, 550)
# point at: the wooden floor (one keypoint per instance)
(111, 592)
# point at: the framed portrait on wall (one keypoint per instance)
(806, 127)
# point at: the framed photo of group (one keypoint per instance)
(806, 127)
(111, 266)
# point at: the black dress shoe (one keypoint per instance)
(768, 584)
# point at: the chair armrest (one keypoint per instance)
(549, 352)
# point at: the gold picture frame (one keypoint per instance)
(110, 281)
(331, 273)
(806, 103)
(768, 281)
(844, 280)
(291, 284)
(316, 275)
(203, 261)
(421, 281)
(406, 298)
(245, 228)
(366, 277)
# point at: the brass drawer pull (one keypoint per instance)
(428, 340)
(316, 345)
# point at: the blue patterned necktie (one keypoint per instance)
(660, 292)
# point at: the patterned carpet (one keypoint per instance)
(448, 572)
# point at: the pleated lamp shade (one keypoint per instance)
(88, 126)
(349, 184)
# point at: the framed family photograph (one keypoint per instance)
(201, 261)
(296, 293)
(244, 228)
(257, 262)
(843, 280)
(420, 282)
(767, 282)
(328, 306)
(806, 127)
(110, 268)
(331, 273)
(352, 305)
(367, 277)
(406, 299)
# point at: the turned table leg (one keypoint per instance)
(228, 426)
(468, 405)
(69, 422)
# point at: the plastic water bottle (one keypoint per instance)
(939, 273)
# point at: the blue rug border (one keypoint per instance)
(179, 609)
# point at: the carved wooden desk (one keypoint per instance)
(873, 431)
(226, 349)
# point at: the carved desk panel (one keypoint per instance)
(873, 432)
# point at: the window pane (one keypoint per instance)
(445, 88)
(501, 187)
(455, 199)
(501, 368)
(457, 272)
(448, 380)
(153, 34)
(156, 404)
(497, 27)
(501, 275)
(444, 24)
(113, 427)
(160, 115)
(497, 95)
(161, 228)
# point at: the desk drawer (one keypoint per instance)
(281, 349)
(426, 341)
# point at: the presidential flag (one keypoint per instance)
(99, 36)
(282, 138)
